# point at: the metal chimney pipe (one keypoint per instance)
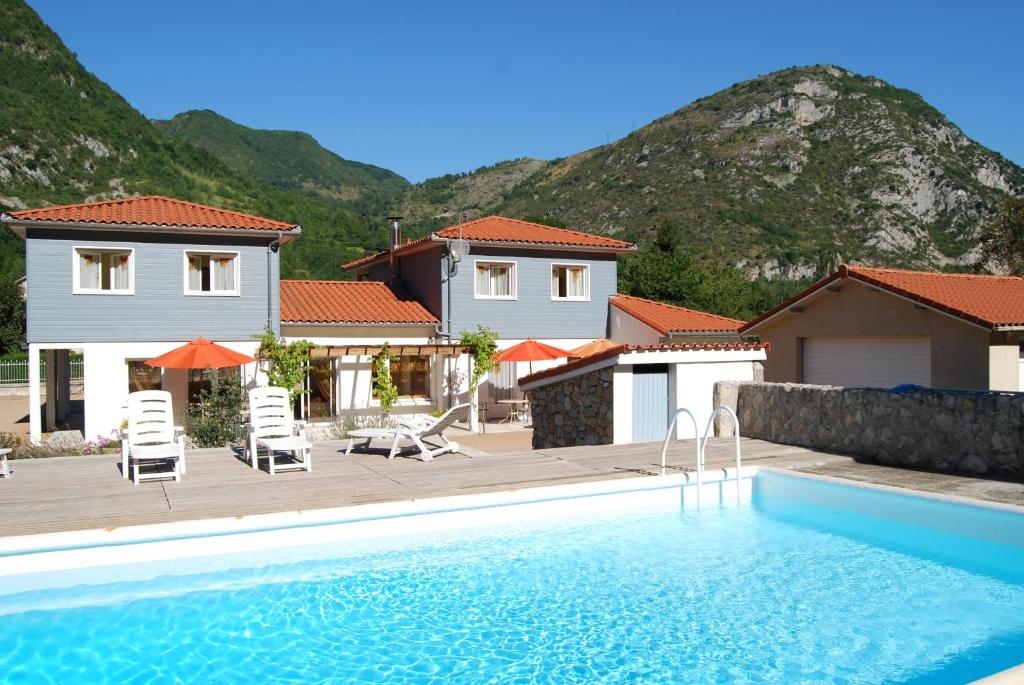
(394, 242)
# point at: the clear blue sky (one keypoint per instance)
(427, 88)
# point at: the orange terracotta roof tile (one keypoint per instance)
(989, 301)
(669, 318)
(581, 362)
(367, 302)
(506, 231)
(151, 210)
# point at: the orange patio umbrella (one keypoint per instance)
(200, 354)
(599, 345)
(530, 351)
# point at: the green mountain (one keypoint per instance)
(66, 136)
(777, 175)
(290, 160)
(781, 173)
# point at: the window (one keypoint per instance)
(141, 376)
(318, 400)
(411, 375)
(495, 280)
(103, 270)
(211, 273)
(570, 282)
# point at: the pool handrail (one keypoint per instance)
(668, 436)
(736, 435)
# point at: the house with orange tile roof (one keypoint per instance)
(351, 320)
(637, 320)
(122, 281)
(518, 278)
(872, 327)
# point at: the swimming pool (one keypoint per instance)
(806, 580)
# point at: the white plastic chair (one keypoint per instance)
(272, 427)
(417, 432)
(151, 438)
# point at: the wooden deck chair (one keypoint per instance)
(432, 428)
(272, 427)
(151, 438)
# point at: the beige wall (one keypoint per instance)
(1004, 362)
(960, 351)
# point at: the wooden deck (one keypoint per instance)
(78, 493)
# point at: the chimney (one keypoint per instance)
(394, 242)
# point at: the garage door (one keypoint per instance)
(867, 362)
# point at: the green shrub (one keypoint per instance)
(217, 418)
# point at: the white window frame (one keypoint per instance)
(513, 281)
(586, 282)
(234, 254)
(76, 285)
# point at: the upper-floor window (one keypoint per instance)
(211, 273)
(495, 280)
(104, 270)
(570, 282)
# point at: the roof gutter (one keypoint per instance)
(360, 324)
(434, 237)
(1009, 329)
(19, 226)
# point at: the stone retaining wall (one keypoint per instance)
(576, 411)
(932, 429)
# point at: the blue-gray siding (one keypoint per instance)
(533, 314)
(159, 310)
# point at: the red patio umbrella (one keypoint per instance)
(200, 354)
(530, 351)
(599, 345)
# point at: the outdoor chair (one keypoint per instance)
(272, 427)
(152, 439)
(417, 432)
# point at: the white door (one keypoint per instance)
(867, 362)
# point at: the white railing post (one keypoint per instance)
(736, 432)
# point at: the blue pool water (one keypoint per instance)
(766, 593)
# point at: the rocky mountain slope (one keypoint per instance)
(291, 160)
(783, 172)
(779, 174)
(66, 136)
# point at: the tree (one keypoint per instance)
(287, 367)
(12, 316)
(1002, 239)
(384, 388)
(677, 278)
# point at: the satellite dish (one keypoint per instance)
(459, 249)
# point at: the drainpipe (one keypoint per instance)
(272, 248)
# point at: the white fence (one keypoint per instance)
(15, 372)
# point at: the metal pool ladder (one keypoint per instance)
(702, 444)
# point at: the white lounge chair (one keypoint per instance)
(272, 427)
(417, 432)
(151, 438)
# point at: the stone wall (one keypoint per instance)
(971, 432)
(576, 411)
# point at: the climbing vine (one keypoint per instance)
(484, 343)
(384, 388)
(287, 362)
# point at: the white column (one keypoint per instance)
(35, 419)
(474, 414)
